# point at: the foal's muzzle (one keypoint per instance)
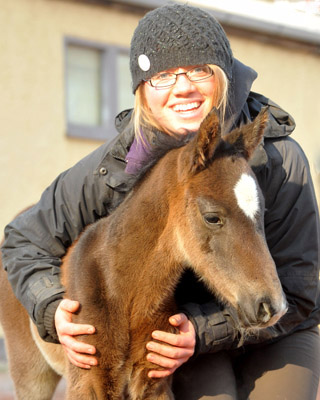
(263, 312)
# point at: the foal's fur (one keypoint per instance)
(123, 270)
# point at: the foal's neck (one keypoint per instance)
(146, 260)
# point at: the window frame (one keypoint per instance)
(109, 92)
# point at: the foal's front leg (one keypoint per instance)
(160, 390)
(89, 385)
(141, 387)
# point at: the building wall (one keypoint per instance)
(33, 142)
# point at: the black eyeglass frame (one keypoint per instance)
(181, 73)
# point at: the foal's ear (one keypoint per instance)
(247, 138)
(206, 142)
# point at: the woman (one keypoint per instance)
(182, 65)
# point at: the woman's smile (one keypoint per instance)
(186, 107)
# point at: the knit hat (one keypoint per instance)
(177, 36)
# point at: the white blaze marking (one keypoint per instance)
(247, 195)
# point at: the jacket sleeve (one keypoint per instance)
(37, 239)
(292, 232)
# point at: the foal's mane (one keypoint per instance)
(160, 145)
(163, 143)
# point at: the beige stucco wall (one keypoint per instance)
(34, 147)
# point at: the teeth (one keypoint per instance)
(186, 107)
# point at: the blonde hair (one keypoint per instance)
(142, 116)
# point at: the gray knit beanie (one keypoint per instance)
(177, 35)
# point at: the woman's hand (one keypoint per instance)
(175, 350)
(76, 351)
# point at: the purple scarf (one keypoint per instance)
(139, 154)
(142, 152)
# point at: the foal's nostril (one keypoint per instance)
(264, 312)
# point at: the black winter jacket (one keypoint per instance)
(36, 241)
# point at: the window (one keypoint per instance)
(98, 86)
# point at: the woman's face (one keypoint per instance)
(181, 107)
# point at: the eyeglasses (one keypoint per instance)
(168, 79)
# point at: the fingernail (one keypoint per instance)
(90, 330)
(92, 362)
(150, 346)
(155, 335)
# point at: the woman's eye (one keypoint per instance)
(164, 76)
(198, 70)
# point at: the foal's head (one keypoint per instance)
(220, 232)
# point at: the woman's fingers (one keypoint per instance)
(77, 352)
(75, 345)
(172, 350)
(165, 362)
(80, 360)
(69, 328)
(69, 305)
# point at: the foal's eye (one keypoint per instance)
(213, 219)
